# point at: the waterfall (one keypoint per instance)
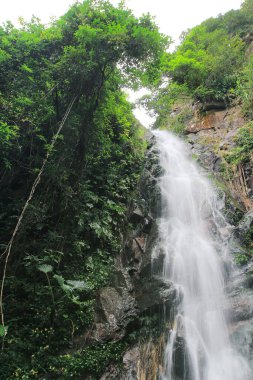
(194, 239)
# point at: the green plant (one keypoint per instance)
(44, 268)
(244, 145)
(241, 259)
(74, 225)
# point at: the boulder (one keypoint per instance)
(114, 310)
(156, 294)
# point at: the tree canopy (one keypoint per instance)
(211, 64)
(69, 74)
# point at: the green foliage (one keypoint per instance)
(244, 138)
(244, 146)
(66, 246)
(7, 136)
(245, 88)
(164, 101)
(45, 268)
(212, 64)
(151, 327)
(207, 62)
(177, 122)
(3, 330)
(248, 239)
(89, 362)
(241, 259)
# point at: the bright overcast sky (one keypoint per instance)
(172, 16)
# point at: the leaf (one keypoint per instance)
(3, 330)
(45, 268)
(79, 285)
(24, 67)
(66, 288)
(70, 285)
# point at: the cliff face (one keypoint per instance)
(132, 309)
(212, 136)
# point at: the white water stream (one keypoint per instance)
(194, 240)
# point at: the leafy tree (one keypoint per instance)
(245, 88)
(73, 228)
(212, 65)
(207, 62)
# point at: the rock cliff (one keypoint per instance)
(133, 308)
(211, 135)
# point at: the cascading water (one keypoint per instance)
(193, 237)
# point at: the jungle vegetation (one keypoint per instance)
(212, 64)
(67, 132)
(68, 138)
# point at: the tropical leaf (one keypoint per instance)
(45, 268)
(78, 285)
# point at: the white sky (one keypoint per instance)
(172, 16)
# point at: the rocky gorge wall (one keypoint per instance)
(211, 136)
(132, 309)
(136, 308)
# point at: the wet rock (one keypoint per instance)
(242, 338)
(135, 254)
(179, 357)
(112, 373)
(244, 227)
(229, 137)
(148, 186)
(137, 257)
(156, 294)
(137, 215)
(249, 275)
(130, 363)
(141, 362)
(246, 222)
(214, 134)
(217, 164)
(239, 311)
(129, 369)
(114, 310)
(192, 138)
(151, 359)
(133, 291)
(241, 308)
(209, 158)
